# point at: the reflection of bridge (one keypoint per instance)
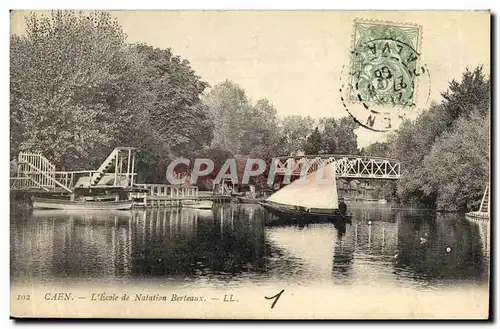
(347, 166)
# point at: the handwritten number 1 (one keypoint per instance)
(277, 296)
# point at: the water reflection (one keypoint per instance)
(197, 242)
(441, 247)
(234, 243)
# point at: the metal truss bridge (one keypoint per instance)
(347, 166)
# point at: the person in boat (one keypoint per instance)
(342, 207)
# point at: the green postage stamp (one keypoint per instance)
(384, 63)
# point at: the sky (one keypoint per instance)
(294, 58)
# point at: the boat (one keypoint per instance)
(42, 203)
(248, 200)
(484, 209)
(382, 201)
(198, 204)
(311, 199)
(56, 213)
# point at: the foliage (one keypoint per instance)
(228, 105)
(417, 145)
(313, 143)
(294, 132)
(70, 94)
(260, 135)
(471, 95)
(332, 136)
(78, 90)
(338, 136)
(241, 127)
(254, 130)
(175, 122)
(457, 166)
(377, 149)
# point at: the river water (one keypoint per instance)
(231, 246)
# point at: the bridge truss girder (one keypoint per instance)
(347, 166)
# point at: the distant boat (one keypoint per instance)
(308, 198)
(42, 203)
(198, 204)
(382, 201)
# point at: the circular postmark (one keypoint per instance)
(384, 72)
(381, 85)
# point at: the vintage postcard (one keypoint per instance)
(250, 164)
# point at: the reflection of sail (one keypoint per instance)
(311, 191)
(376, 237)
(315, 253)
(366, 250)
(343, 255)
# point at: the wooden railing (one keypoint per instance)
(34, 171)
(36, 167)
(172, 191)
(85, 178)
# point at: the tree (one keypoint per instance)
(338, 136)
(228, 105)
(176, 122)
(73, 87)
(457, 167)
(471, 95)
(294, 132)
(218, 156)
(78, 90)
(409, 145)
(260, 135)
(241, 127)
(313, 143)
(418, 144)
(377, 149)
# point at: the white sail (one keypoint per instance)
(312, 191)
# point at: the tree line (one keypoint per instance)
(445, 152)
(243, 128)
(78, 90)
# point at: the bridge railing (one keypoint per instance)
(346, 166)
